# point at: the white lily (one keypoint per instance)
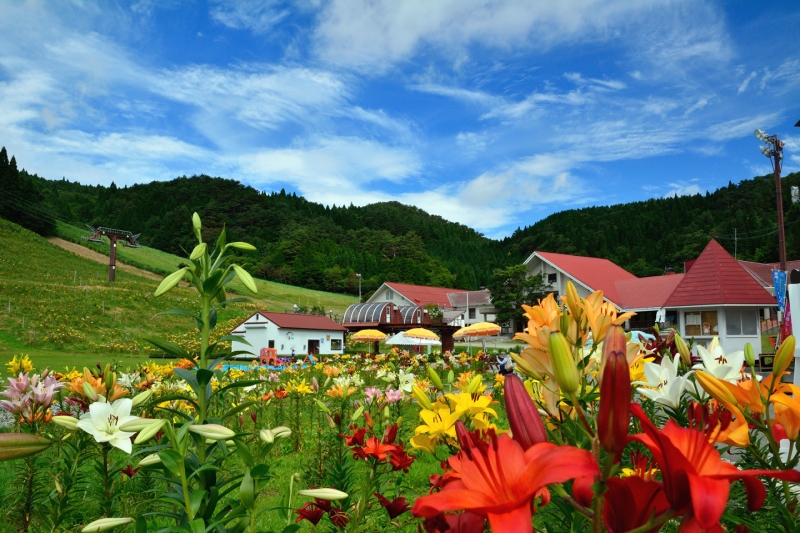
(665, 385)
(715, 362)
(103, 422)
(406, 380)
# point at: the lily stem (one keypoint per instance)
(558, 489)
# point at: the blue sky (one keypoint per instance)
(489, 113)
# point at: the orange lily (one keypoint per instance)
(601, 315)
(787, 411)
(499, 481)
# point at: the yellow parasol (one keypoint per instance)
(460, 333)
(368, 335)
(481, 329)
(421, 333)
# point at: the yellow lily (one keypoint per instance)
(438, 423)
(424, 442)
(471, 404)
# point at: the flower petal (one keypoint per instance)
(709, 498)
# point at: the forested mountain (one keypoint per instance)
(645, 237)
(311, 245)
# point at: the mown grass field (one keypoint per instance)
(60, 309)
(277, 296)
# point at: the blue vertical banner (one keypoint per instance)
(779, 283)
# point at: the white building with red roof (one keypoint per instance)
(289, 334)
(715, 297)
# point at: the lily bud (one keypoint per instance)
(435, 379)
(563, 323)
(356, 414)
(475, 384)
(783, 357)
(749, 355)
(170, 281)
(524, 367)
(59, 487)
(89, 391)
(368, 419)
(281, 432)
(716, 389)
(327, 381)
(613, 419)
(198, 252)
(266, 435)
(564, 367)
(314, 385)
(150, 431)
(451, 377)
(152, 459)
(18, 445)
(212, 431)
(615, 341)
(245, 278)
(523, 416)
(683, 349)
(141, 398)
(138, 424)
(422, 398)
(322, 406)
(330, 420)
(247, 247)
(573, 301)
(387, 414)
(196, 226)
(66, 422)
(330, 495)
(105, 523)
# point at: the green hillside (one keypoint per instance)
(59, 307)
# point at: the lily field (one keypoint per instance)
(591, 431)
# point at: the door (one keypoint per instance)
(313, 347)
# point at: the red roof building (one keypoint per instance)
(292, 321)
(593, 273)
(646, 293)
(288, 334)
(762, 272)
(716, 278)
(403, 294)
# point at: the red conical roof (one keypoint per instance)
(716, 278)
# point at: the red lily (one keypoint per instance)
(357, 438)
(338, 517)
(394, 507)
(455, 523)
(399, 459)
(630, 503)
(309, 512)
(373, 448)
(696, 479)
(614, 417)
(499, 481)
(129, 471)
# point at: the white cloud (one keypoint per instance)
(377, 33)
(682, 189)
(746, 82)
(257, 15)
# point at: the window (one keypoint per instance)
(336, 344)
(271, 344)
(388, 294)
(472, 313)
(551, 278)
(701, 323)
(741, 322)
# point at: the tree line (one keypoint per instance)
(324, 247)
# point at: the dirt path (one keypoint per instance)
(100, 258)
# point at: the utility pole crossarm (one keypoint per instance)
(126, 237)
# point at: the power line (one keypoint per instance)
(764, 233)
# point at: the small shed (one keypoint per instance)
(290, 334)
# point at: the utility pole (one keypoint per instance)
(359, 287)
(774, 151)
(128, 239)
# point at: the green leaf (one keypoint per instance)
(259, 471)
(168, 347)
(239, 408)
(213, 364)
(172, 460)
(194, 502)
(237, 338)
(204, 377)
(190, 377)
(183, 312)
(170, 398)
(221, 297)
(291, 528)
(247, 491)
(212, 318)
(141, 525)
(235, 300)
(221, 240)
(212, 283)
(181, 434)
(244, 383)
(244, 454)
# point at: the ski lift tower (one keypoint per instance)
(126, 237)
